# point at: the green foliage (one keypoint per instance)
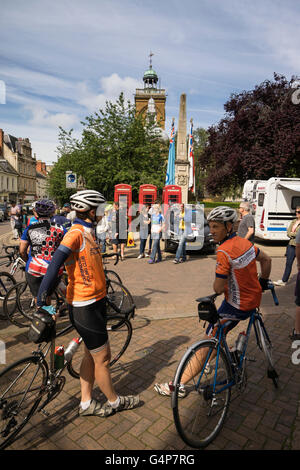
(258, 138)
(115, 147)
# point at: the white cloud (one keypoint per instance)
(42, 118)
(111, 87)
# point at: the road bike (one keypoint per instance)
(209, 370)
(28, 385)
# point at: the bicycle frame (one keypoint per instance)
(220, 339)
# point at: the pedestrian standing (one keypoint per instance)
(102, 230)
(157, 227)
(290, 254)
(247, 224)
(14, 214)
(296, 331)
(145, 230)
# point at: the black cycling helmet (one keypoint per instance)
(44, 207)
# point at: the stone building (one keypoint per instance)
(18, 152)
(42, 189)
(151, 100)
(8, 182)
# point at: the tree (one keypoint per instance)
(258, 138)
(116, 147)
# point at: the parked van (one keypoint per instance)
(273, 206)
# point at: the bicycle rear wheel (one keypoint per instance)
(265, 345)
(6, 282)
(10, 305)
(21, 387)
(200, 415)
(119, 339)
(112, 275)
(120, 296)
(26, 302)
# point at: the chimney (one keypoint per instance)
(1, 143)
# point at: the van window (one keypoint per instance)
(295, 202)
(261, 198)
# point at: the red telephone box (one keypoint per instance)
(171, 195)
(124, 190)
(147, 194)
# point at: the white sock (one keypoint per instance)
(85, 404)
(114, 404)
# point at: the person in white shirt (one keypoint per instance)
(102, 230)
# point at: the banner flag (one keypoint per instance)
(191, 161)
(170, 177)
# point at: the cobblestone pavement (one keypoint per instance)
(166, 324)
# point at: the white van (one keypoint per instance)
(273, 205)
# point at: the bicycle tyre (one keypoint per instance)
(6, 282)
(266, 346)
(10, 305)
(194, 414)
(26, 303)
(119, 339)
(18, 406)
(121, 297)
(112, 275)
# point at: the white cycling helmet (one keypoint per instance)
(222, 214)
(86, 200)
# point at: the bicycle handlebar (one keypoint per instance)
(109, 255)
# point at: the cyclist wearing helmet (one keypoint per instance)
(236, 277)
(42, 237)
(86, 294)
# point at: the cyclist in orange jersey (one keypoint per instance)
(236, 277)
(86, 294)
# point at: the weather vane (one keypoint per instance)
(150, 55)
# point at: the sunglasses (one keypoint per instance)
(297, 212)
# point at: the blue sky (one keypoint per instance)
(60, 60)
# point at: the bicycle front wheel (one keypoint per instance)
(265, 344)
(21, 387)
(120, 296)
(200, 414)
(119, 335)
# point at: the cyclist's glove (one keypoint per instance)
(49, 308)
(263, 283)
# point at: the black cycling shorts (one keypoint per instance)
(90, 322)
(34, 283)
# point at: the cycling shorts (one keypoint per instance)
(229, 314)
(34, 283)
(90, 322)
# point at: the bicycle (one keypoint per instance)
(28, 385)
(19, 303)
(213, 370)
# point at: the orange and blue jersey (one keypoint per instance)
(86, 278)
(236, 262)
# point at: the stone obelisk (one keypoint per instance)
(182, 162)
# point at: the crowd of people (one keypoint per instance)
(76, 236)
